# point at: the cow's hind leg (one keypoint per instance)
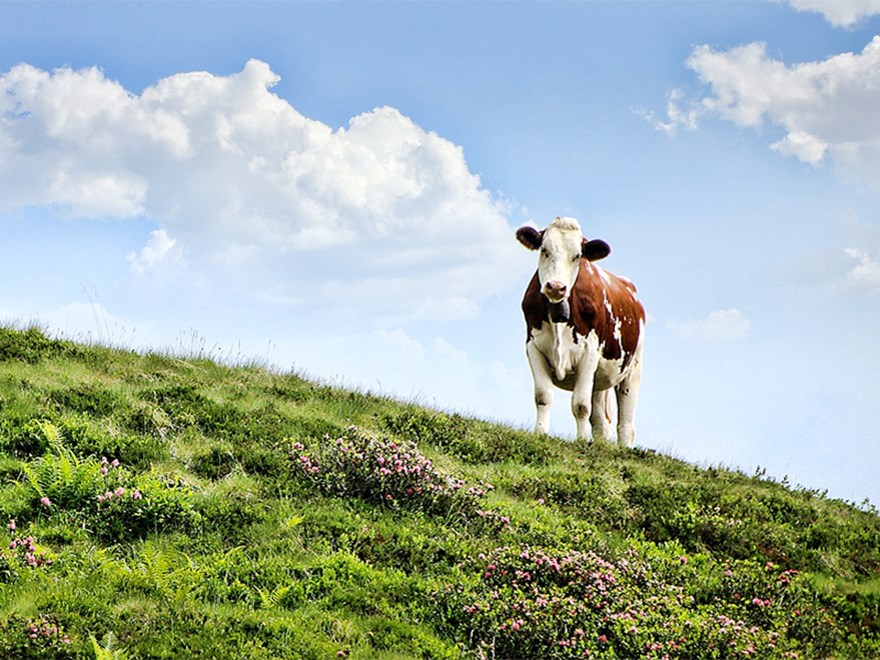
(627, 398)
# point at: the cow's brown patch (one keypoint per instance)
(588, 311)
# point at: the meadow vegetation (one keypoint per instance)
(154, 506)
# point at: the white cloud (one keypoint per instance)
(161, 249)
(827, 109)
(244, 183)
(802, 146)
(721, 325)
(865, 275)
(842, 13)
(678, 118)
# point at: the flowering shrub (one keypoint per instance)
(380, 470)
(44, 637)
(21, 552)
(530, 602)
(148, 505)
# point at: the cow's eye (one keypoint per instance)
(576, 257)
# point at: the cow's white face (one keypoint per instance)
(561, 246)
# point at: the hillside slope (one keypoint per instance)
(158, 507)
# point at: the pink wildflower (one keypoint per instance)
(45, 501)
(11, 524)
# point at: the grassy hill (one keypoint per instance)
(157, 507)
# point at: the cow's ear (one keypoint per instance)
(595, 249)
(530, 237)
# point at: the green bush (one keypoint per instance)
(31, 346)
(25, 438)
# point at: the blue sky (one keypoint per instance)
(334, 187)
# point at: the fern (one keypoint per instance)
(272, 599)
(62, 477)
(51, 433)
(171, 572)
(108, 648)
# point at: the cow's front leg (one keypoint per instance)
(543, 387)
(602, 416)
(582, 399)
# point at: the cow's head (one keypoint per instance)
(561, 245)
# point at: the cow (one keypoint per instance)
(584, 332)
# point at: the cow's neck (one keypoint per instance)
(560, 354)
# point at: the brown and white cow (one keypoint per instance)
(584, 331)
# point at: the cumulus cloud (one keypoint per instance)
(826, 109)
(721, 325)
(802, 146)
(160, 250)
(842, 13)
(237, 179)
(865, 274)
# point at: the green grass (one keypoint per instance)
(170, 507)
